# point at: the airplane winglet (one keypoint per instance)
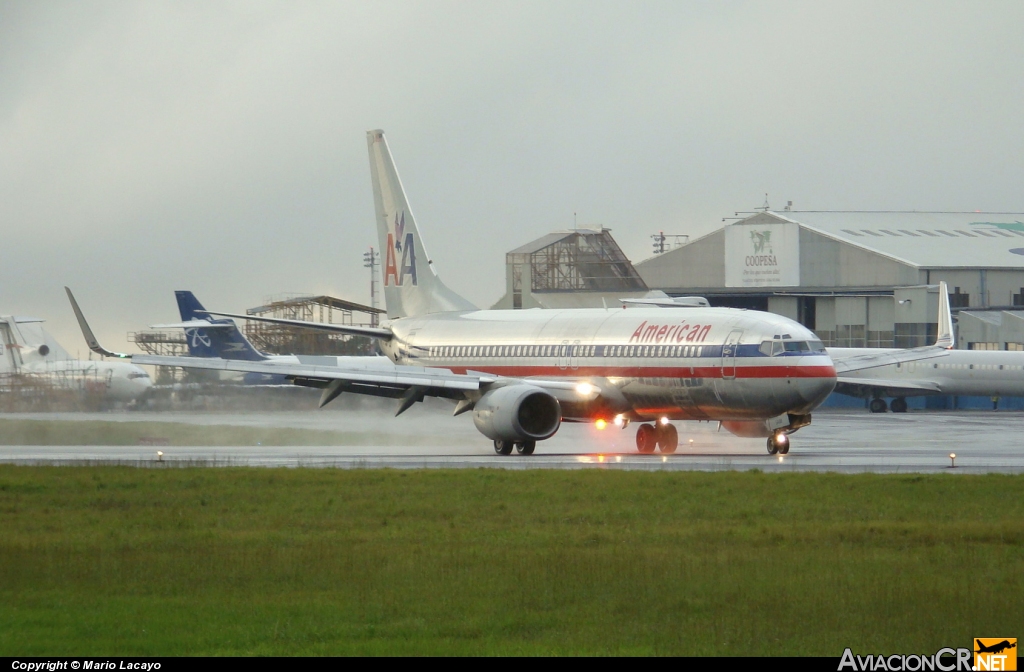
(945, 337)
(90, 338)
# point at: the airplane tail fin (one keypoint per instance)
(945, 337)
(411, 287)
(221, 339)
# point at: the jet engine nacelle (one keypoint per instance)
(41, 350)
(517, 413)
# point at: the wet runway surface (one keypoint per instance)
(427, 438)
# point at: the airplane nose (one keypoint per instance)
(815, 390)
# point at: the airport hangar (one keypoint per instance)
(856, 278)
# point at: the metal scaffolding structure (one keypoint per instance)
(580, 260)
(166, 343)
(286, 340)
(68, 386)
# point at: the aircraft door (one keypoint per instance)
(574, 356)
(729, 349)
(563, 355)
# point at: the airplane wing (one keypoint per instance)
(859, 387)
(372, 332)
(410, 383)
(383, 379)
(944, 342)
(849, 364)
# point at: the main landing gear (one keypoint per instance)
(522, 447)
(878, 405)
(664, 437)
(778, 443)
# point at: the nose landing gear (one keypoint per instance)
(778, 443)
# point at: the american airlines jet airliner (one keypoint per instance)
(521, 373)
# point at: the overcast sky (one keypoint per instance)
(220, 146)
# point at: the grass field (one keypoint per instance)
(116, 560)
(19, 432)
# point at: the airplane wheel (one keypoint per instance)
(646, 438)
(879, 405)
(778, 443)
(898, 405)
(668, 438)
(526, 447)
(502, 447)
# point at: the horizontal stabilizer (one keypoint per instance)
(21, 320)
(669, 302)
(194, 324)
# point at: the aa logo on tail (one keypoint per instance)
(995, 653)
(399, 243)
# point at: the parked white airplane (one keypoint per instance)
(988, 373)
(522, 372)
(26, 348)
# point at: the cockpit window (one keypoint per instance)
(137, 374)
(777, 347)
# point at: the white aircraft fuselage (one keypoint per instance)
(960, 372)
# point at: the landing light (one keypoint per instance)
(618, 420)
(600, 424)
(585, 389)
(664, 419)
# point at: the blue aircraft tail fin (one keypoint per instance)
(224, 341)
